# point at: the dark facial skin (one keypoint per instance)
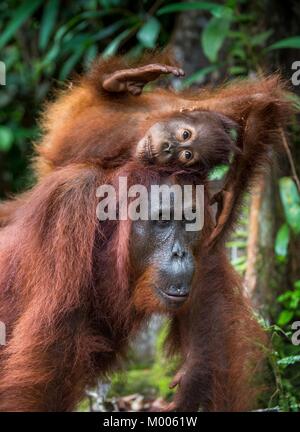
(199, 138)
(169, 250)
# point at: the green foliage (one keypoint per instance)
(291, 203)
(149, 32)
(285, 357)
(282, 242)
(216, 10)
(293, 42)
(214, 35)
(199, 76)
(284, 362)
(284, 317)
(149, 381)
(290, 199)
(48, 23)
(290, 301)
(218, 172)
(240, 263)
(6, 138)
(18, 17)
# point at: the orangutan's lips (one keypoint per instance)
(178, 298)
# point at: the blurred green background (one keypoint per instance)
(43, 43)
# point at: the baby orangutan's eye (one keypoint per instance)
(185, 156)
(188, 154)
(186, 134)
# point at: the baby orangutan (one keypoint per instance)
(200, 139)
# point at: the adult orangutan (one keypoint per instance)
(74, 291)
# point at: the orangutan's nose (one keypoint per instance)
(167, 147)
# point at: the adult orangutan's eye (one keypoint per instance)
(188, 154)
(186, 135)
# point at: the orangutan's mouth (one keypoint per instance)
(179, 297)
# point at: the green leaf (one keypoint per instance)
(113, 46)
(293, 42)
(237, 243)
(294, 301)
(214, 35)
(285, 296)
(289, 299)
(6, 138)
(241, 233)
(109, 30)
(218, 172)
(149, 32)
(216, 10)
(282, 241)
(90, 55)
(239, 261)
(297, 285)
(48, 22)
(110, 3)
(291, 202)
(71, 62)
(238, 52)
(285, 317)
(289, 360)
(19, 16)
(245, 17)
(199, 76)
(240, 267)
(261, 38)
(295, 99)
(238, 70)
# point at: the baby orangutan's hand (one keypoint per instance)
(185, 399)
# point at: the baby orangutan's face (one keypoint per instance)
(200, 138)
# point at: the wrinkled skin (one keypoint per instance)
(171, 251)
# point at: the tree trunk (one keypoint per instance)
(263, 278)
